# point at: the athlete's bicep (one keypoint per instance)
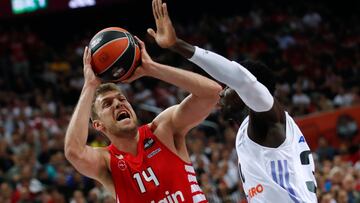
(189, 113)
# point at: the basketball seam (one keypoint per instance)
(116, 58)
(109, 29)
(130, 69)
(132, 64)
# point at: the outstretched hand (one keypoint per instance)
(89, 75)
(146, 63)
(165, 36)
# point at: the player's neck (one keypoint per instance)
(126, 144)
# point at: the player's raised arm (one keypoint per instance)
(192, 110)
(165, 35)
(254, 94)
(81, 156)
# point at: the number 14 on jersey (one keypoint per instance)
(148, 175)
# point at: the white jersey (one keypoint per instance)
(276, 175)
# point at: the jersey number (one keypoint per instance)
(149, 176)
(305, 160)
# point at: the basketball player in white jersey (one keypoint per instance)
(275, 162)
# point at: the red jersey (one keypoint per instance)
(154, 175)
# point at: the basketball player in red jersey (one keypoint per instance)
(146, 164)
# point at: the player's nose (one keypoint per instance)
(117, 103)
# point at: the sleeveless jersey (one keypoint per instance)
(154, 175)
(283, 174)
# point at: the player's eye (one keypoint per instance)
(106, 104)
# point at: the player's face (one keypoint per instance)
(116, 115)
(232, 107)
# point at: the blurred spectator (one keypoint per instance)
(6, 192)
(143, 95)
(342, 197)
(324, 150)
(300, 98)
(312, 19)
(324, 104)
(346, 127)
(350, 193)
(343, 98)
(78, 197)
(327, 198)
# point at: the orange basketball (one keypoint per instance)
(115, 54)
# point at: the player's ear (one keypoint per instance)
(97, 125)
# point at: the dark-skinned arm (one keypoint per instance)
(265, 112)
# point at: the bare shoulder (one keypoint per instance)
(162, 125)
(162, 128)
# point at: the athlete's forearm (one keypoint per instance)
(255, 95)
(183, 48)
(77, 131)
(192, 82)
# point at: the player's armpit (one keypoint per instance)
(268, 128)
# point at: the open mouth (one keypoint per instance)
(122, 116)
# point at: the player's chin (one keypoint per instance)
(233, 115)
(129, 124)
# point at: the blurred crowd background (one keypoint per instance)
(315, 54)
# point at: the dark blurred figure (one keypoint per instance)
(346, 127)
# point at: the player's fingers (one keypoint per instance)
(154, 10)
(88, 56)
(141, 43)
(157, 9)
(161, 11)
(164, 8)
(144, 54)
(85, 54)
(151, 32)
(136, 75)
